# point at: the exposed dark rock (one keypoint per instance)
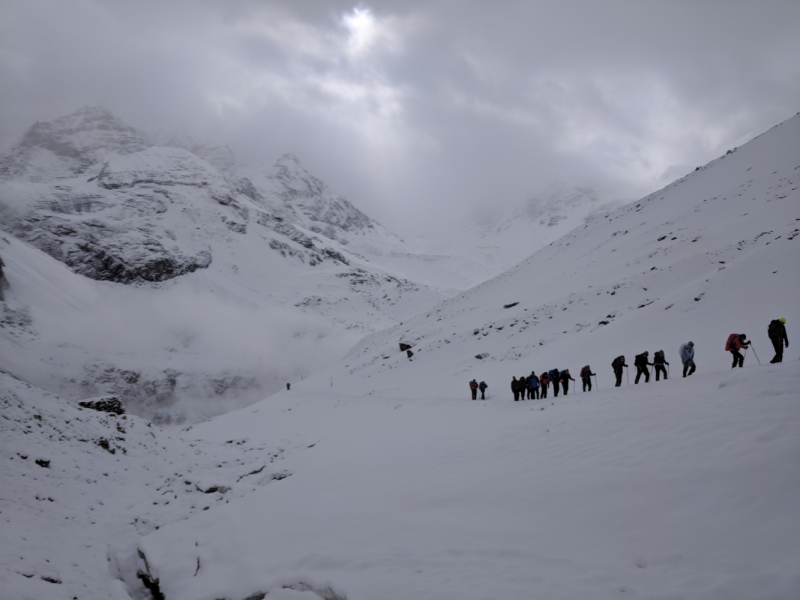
(404, 347)
(409, 353)
(43, 463)
(104, 444)
(510, 305)
(111, 404)
(151, 583)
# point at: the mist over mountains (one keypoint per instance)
(263, 275)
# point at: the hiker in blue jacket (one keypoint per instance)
(687, 356)
(533, 386)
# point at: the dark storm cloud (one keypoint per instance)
(410, 106)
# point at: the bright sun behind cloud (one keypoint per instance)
(363, 30)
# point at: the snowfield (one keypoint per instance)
(684, 489)
(378, 477)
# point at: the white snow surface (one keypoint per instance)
(378, 477)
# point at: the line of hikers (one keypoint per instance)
(536, 386)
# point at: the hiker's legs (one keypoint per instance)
(619, 377)
(778, 345)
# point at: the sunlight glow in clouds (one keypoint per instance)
(363, 30)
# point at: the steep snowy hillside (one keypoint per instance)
(232, 287)
(714, 253)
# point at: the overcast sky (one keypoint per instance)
(418, 109)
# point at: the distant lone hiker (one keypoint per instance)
(473, 386)
(618, 365)
(288, 386)
(586, 377)
(515, 388)
(659, 361)
(565, 379)
(482, 387)
(687, 356)
(641, 364)
(736, 341)
(777, 334)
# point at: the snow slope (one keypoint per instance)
(681, 488)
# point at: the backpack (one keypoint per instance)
(618, 362)
(585, 371)
(659, 356)
(553, 375)
(774, 329)
(534, 382)
(640, 360)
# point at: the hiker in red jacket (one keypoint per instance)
(736, 341)
(473, 385)
(545, 382)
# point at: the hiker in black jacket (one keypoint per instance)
(777, 335)
(565, 379)
(523, 387)
(554, 376)
(515, 388)
(640, 362)
(586, 377)
(659, 361)
(482, 387)
(617, 365)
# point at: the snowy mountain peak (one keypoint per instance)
(68, 145)
(313, 199)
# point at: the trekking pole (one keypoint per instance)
(595, 381)
(754, 352)
(628, 377)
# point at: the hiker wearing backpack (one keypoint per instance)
(554, 376)
(659, 361)
(687, 356)
(618, 365)
(736, 341)
(586, 378)
(565, 379)
(641, 364)
(545, 381)
(523, 387)
(515, 388)
(482, 387)
(533, 386)
(777, 335)
(473, 386)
